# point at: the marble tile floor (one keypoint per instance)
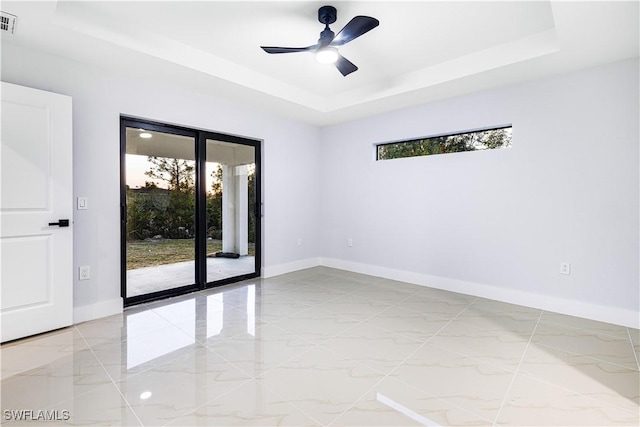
(325, 347)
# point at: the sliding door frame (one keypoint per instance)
(200, 140)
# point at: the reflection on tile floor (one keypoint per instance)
(325, 347)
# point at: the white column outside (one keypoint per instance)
(228, 209)
(235, 209)
(242, 209)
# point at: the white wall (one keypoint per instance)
(290, 153)
(495, 224)
(499, 223)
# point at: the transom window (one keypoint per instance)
(484, 139)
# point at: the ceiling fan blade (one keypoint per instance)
(270, 49)
(345, 66)
(354, 29)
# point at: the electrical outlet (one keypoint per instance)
(299, 241)
(350, 242)
(84, 272)
(565, 268)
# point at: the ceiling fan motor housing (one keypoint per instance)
(327, 15)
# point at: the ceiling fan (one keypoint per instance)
(326, 49)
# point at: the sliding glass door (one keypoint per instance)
(231, 209)
(190, 216)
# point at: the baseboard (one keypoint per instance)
(569, 307)
(85, 313)
(276, 270)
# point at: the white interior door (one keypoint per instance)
(36, 190)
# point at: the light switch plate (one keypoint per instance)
(83, 203)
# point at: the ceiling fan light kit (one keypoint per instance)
(326, 49)
(327, 55)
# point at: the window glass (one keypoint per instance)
(486, 139)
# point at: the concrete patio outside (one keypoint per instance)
(145, 280)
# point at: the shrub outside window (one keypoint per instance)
(485, 139)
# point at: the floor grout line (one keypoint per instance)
(577, 393)
(113, 382)
(515, 373)
(633, 348)
(289, 402)
(608, 362)
(191, 411)
(388, 375)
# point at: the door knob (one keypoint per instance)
(61, 223)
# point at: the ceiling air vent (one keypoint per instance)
(7, 22)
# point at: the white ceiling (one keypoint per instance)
(422, 50)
